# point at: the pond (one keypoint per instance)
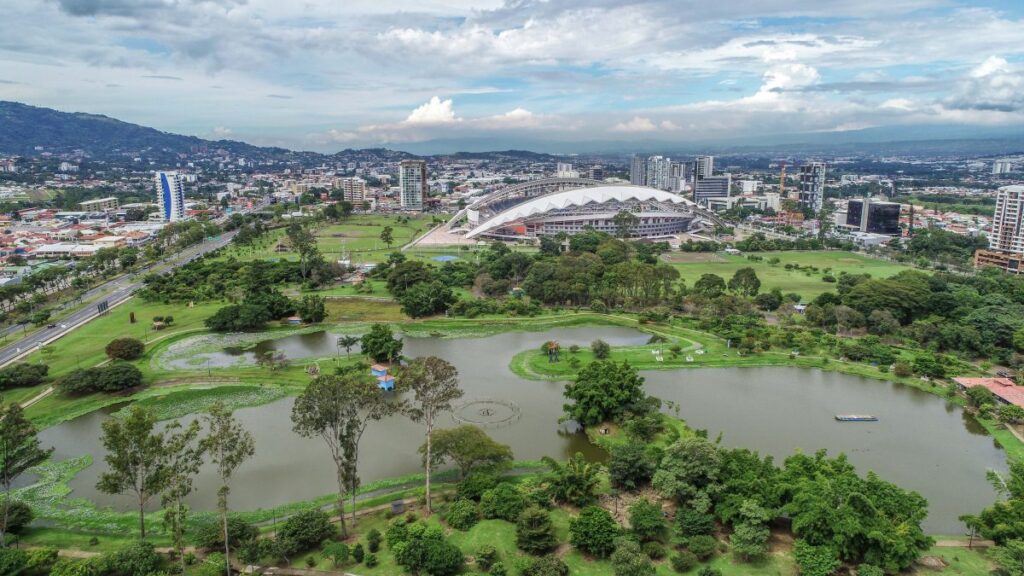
(920, 442)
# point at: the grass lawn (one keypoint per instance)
(806, 283)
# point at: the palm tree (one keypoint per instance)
(347, 342)
(575, 482)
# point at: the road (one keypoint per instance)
(114, 292)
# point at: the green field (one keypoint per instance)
(807, 283)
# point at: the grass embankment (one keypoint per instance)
(807, 283)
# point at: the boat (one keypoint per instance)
(856, 418)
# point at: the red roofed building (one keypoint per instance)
(1004, 388)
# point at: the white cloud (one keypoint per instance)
(515, 118)
(994, 85)
(435, 111)
(636, 124)
(221, 132)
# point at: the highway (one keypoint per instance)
(114, 292)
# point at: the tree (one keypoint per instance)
(312, 309)
(629, 560)
(624, 222)
(408, 274)
(387, 236)
(125, 349)
(535, 533)
(629, 465)
(19, 451)
(136, 459)
(307, 529)
(604, 390)
(380, 344)
(184, 457)
(239, 318)
(574, 483)
(435, 385)
(427, 299)
(469, 448)
(304, 242)
(504, 502)
(229, 444)
(1009, 556)
(688, 469)
(709, 285)
(601, 349)
(546, 566)
(594, 531)
(647, 521)
(338, 409)
(745, 282)
(750, 535)
(462, 514)
(347, 342)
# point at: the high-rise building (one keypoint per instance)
(874, 217)
(1003, 166)
(412, 179)
(564, 170)
(170, 195)
(1006, 243)
(352, 189)
(659, 173)
(638, 171)
(812, 185)
(596, 173)
(712, 187)
(703, 166)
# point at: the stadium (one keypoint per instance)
(570, 205)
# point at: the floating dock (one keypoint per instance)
(856, 418)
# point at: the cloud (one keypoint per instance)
(994, 85)
(163, 77)
(515, 118)
(435, 111)
(636, 124)
(279, 96)
(221, 132)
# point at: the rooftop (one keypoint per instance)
(1005, 388)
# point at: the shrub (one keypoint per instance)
(213, 565)
(504, 502)
(12, 561)
(594, 531)
(310, 561)
(869, 570)
(113, 377)
(397, 531)
(474, 485)
(684, 561)
(373, 540)
(902, 369)
(709, 571)
(646, 521)
(139, 557)
(22, 375)
(546, 566)
(601, 349)
(629, 465)
(690, 522)
(307, 529)
(629, 560)
(371, 560)
(654, 550)
(703, 546)
(209, 535)
(534, 532)
(815, 560)
(358, 553)
(498, 569)
(486, 557)
(462, 514)
(338, 553)
(125, 349)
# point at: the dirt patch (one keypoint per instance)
(780, 542)
(932, 562)
(619, 506)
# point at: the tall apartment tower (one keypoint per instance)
(812, 185)
(353, 189)
(170, 195)
(1007, 228)
(412, 178)
(703, 166)
(638, 171)
(659, 173)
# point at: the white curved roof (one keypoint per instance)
(577, 197)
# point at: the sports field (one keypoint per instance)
(805, 281)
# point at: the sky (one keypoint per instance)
(333, 74)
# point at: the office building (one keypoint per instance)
(1003, 166)
(712, 187)
(596, 173)
(170, 195)
(638, 171)
(703, 166)
(812, 185)
(412, 183)
(352, 189)
(100, 204)
(873, 216)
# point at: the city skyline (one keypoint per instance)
(392, 73)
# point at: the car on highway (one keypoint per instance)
(51, 325)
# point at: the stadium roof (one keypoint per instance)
(576, 197)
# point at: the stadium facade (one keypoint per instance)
(556, 206)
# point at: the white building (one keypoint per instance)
(564, 170)
(170, 195)
(353, 189)
(412, 178)
(1007, 229)
(1003, 166)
